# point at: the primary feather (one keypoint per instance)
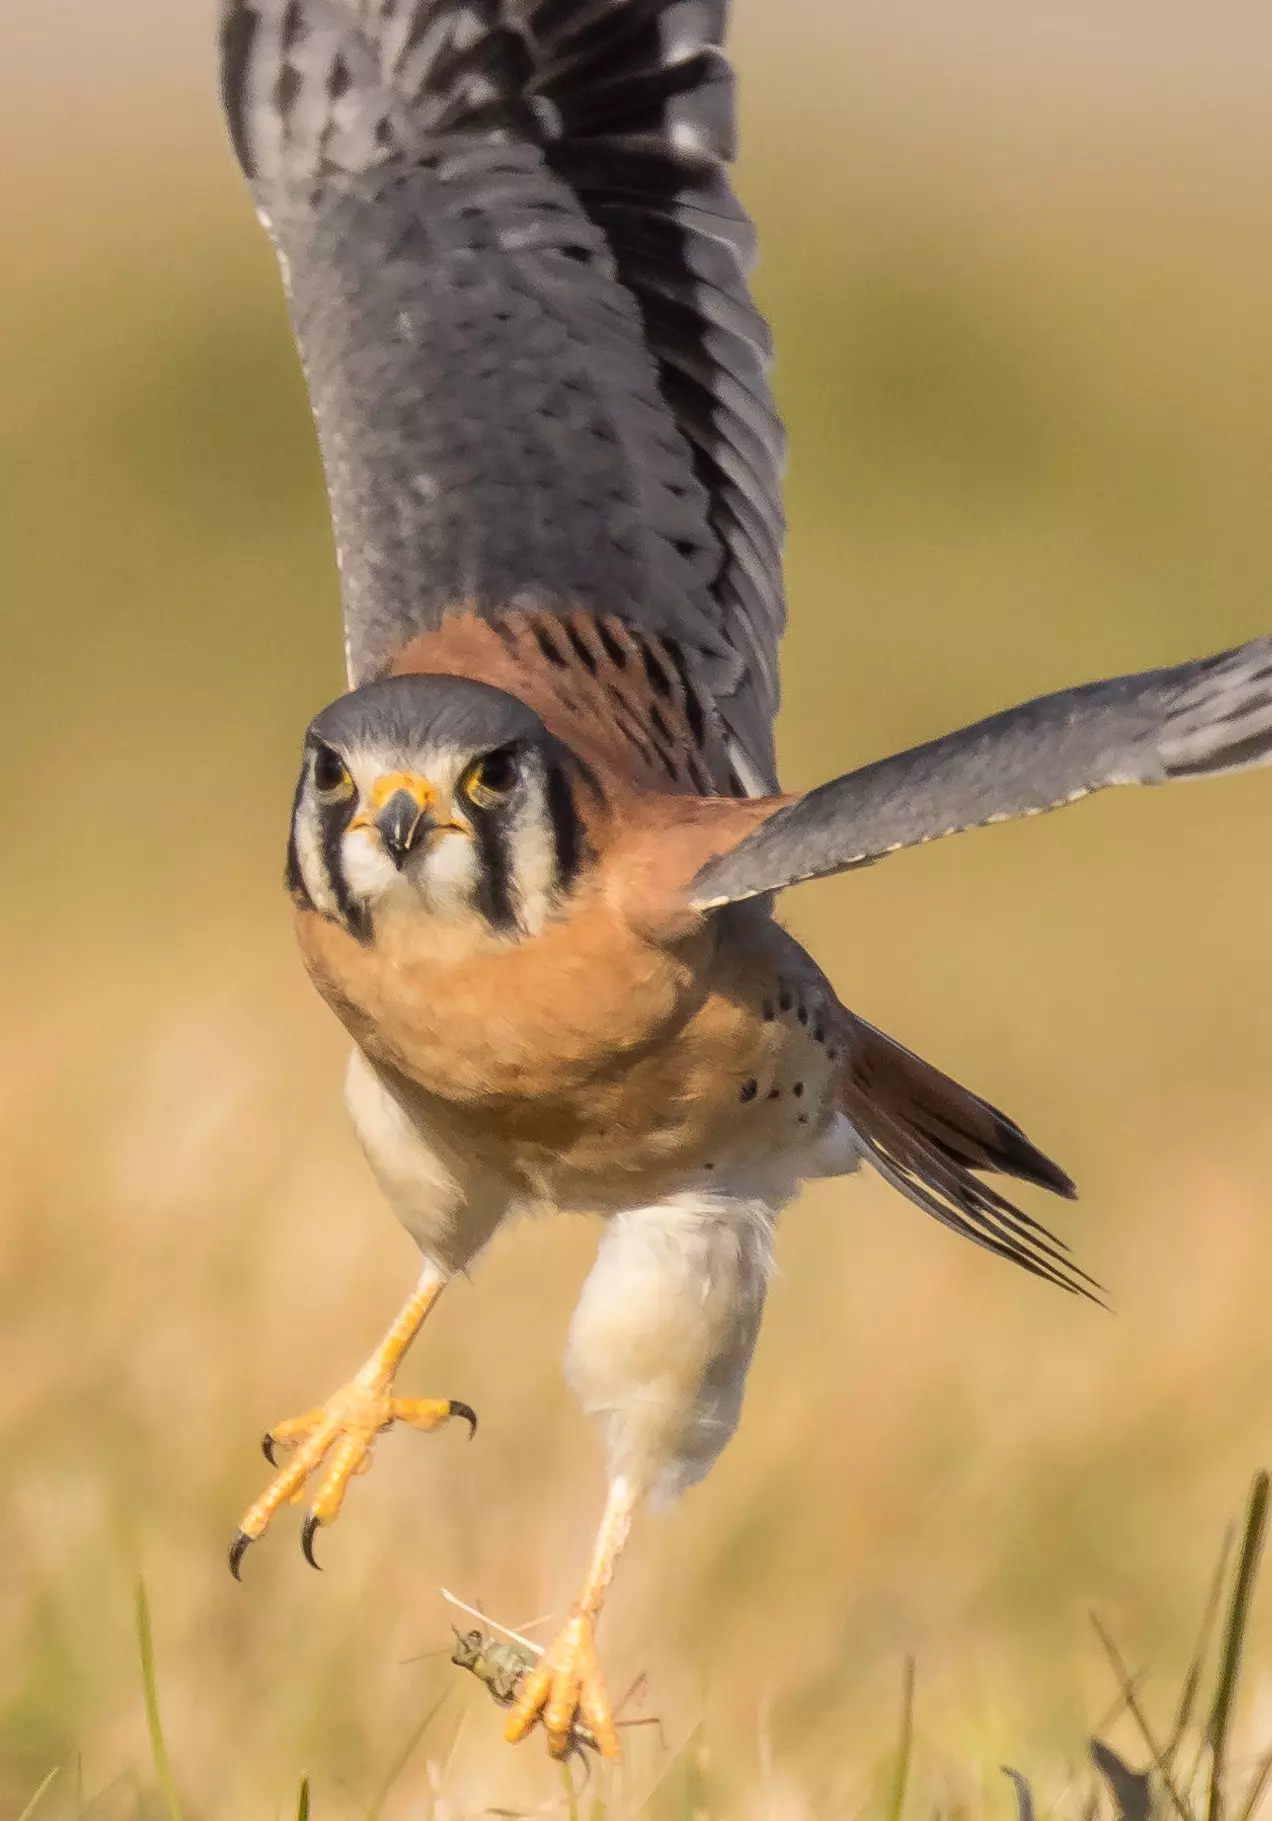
(1195, 720)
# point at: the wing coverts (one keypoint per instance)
(517, 273)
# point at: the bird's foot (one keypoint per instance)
(335, 1439)
(566, 1692)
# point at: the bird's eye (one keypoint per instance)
(331, 775)
(491, 778)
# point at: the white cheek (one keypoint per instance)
(368, 870)
(534, 864)
(313, 866)
(447, 873)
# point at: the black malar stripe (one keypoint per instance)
(494, 881)
(333, 820)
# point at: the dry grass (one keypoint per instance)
(1031, 403)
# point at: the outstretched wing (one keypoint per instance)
(1196, 720)
(517, 274)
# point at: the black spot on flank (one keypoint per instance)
(802, 1014)
(708, 1166)
(819, 1032)
(508, 632)
(585, 653)
(749, 1090)
(287, 88)
(659, 681)
(341, 81)
(803, 1119)
(549, 648)
(774, 1094)
(616, 652)
(798, 1090)
(661, 726)
(668, 764)
(768, 1011)
(832, 1055)
(785, 1001)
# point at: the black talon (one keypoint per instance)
(267, 1448)
(238, 1549)
(307, 1536)
(467, 1412)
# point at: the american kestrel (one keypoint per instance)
(534, 849)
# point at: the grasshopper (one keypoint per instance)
(498, 1662)
(501, 1663)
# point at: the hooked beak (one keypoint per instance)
(401, 809)
(399, 823)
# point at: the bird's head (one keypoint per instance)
(433, 795)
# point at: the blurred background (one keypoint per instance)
(1019, 261)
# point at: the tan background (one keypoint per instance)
(1020, 265)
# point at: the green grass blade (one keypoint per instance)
(302, 1807)
(150, 1692)
(1196, 1669)
(571, 1794)
(1234, 1638)
(40, 1793)
(905, 1745)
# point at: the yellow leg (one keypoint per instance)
(339, 1435)
(565, 1686)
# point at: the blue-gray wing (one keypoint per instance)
(518, 277)
(1196, 720)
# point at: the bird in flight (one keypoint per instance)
(534, 849)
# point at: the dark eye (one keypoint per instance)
(491, 778)
(331, 774)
